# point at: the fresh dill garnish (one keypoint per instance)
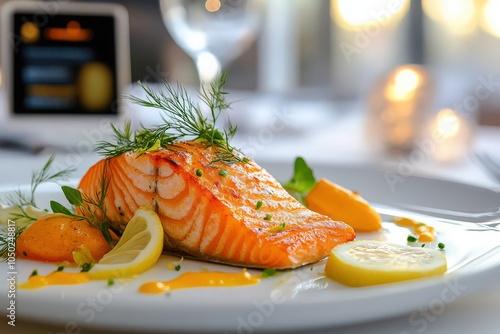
(19, 199)
(223, 173)
(183, 119)
(92, 210)
(9, 239)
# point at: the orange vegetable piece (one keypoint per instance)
(342, 204)
(54, 237)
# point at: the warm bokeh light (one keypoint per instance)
(30, 32)
(490, 17)
(212, 5)
(358, 15)
(457, 16)
(403, 84)
(446, 124)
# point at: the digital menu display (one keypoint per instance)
(64, 64)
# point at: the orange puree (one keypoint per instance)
(200, 279)
(55, 278)
(54, 237)
(342, 204)
(425, 233)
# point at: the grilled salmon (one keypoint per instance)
(231, 213)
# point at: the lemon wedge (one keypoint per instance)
(137, 250)
(370, 262)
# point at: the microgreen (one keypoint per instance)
(303, 179)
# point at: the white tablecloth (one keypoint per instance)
(336, 140)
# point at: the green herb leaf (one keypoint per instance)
(177, 267)
(268, 217)
(60, 268)
(303, 179)
(59, 208)
(441, 246)
(74, 196)
(34, 273)
(111, 282)
(259, 205)
(222, 173)
(199, 172)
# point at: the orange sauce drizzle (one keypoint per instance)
(200, 279)
(55, 278)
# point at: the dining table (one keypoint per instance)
(323, 132)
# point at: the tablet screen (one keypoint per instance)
(64, 64)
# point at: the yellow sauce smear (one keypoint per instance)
(200, 279)
(55, 278)
(425, 233)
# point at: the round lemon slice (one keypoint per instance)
(370, 262)
(137, 250)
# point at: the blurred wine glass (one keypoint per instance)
(212, 32)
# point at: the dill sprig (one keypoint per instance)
(21, 200)
(182, 119)
(8, 239)
(93, 210)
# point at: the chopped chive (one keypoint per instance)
(222, 173)
(423, 245)
(245, 160)
(259, 205)
(268, 273)
(178, 267)
(199, 172)
(411, 238)
(111, 282)
(441, 246)
(268, 217)
(86, 267)
(34, 273)
(60, 268)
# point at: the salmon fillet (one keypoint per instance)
(212, 216)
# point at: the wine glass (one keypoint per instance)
(212, 32)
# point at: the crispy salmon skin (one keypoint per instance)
(231, 213)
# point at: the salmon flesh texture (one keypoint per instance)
(215, 217)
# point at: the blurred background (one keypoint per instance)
(338, 48)
(398, 60)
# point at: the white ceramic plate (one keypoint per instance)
(299, 300)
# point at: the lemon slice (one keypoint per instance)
(370, 262)
(137, 250)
